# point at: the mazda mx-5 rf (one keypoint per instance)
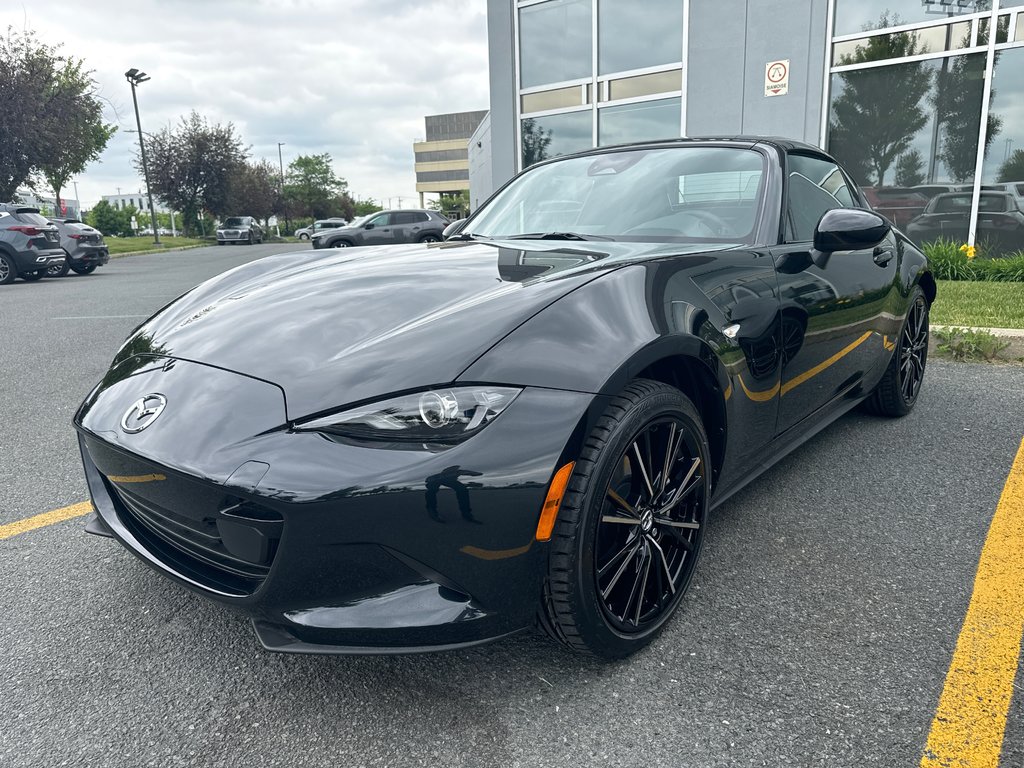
(412, 448)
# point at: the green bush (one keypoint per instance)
(948, 262)
(969, 344)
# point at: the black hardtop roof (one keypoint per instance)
(781, 143)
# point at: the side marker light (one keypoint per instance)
(549, 512)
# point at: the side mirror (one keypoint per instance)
(371, 225)
(453, 228)
(849, 229)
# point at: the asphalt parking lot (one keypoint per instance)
(818, 632)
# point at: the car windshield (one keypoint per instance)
(236, 221)
(674, 194)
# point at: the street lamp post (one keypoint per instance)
(135, 77)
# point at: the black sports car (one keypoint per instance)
(426, 447)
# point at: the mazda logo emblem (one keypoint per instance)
(142, 413)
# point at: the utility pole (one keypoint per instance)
(280, 190)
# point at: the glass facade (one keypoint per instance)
(928, 131)
(597, 72)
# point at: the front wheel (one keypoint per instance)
(341, 244)
(631, 525)
(83, 269)
(303, 236)
(430, 239)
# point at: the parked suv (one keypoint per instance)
(386, 228)
(239, 229)
(84, 247)
(319, 226)
(29, 244)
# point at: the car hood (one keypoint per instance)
(360, 323)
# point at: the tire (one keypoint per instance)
(340, 244)
(250, 239)
(7, 270)
(31, 277)
(60, 271)
(431, 238)
(83, 269)
(220, 242)
(608, 546)
(900, 386)
(303, 236)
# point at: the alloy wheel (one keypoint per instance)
(914, 350)
(651, 526)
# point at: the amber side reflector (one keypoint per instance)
(549, 512)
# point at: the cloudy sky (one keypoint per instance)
(350, 77)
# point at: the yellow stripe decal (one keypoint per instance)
(495, 554)
(759, 397)
(796, 382)
(136, 478)
(46, 518)
(971, 716)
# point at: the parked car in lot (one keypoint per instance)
(239, 229)
(386, 228)
(83, 246)
(29, 244)
(305, 233)
(1000, 221)
(899, 204)
(428, 447)
(931, 190)
(1015, 188)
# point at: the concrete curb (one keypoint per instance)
(156, 250)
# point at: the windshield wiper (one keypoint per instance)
(468, 236)
(557, 236)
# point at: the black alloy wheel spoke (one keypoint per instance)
(913, 349)
(651, 524)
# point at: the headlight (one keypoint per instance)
(437, 415)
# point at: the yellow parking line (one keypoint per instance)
(46, 518)
(970, 720)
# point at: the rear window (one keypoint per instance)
(32, 218)
(962, 203)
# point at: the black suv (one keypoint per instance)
(29, 244)
(385, 228)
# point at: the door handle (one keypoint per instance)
(883, 254)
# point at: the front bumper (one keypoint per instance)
(233, 236)
(329, 546)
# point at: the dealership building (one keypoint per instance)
(915, 97)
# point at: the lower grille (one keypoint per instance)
(230, 550)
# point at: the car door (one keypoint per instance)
(379, 230)
(411, 224)
(838, 309)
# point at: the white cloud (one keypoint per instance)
(353, 78)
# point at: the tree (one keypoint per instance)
(253, 190)
(455, 206)
(536, 142)
(311, 184)
(366, 207)
(50, 118)
(1013, 168)
(191, 167)
(878, 111)
(75, 132)
(112, 221)
(910, 169)
(957, 108)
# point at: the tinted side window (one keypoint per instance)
(380, 221)
(815, 186)
(402, 217)
(807, 204)
(419, 217)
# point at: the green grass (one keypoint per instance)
(979, 304)
(123, 245)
